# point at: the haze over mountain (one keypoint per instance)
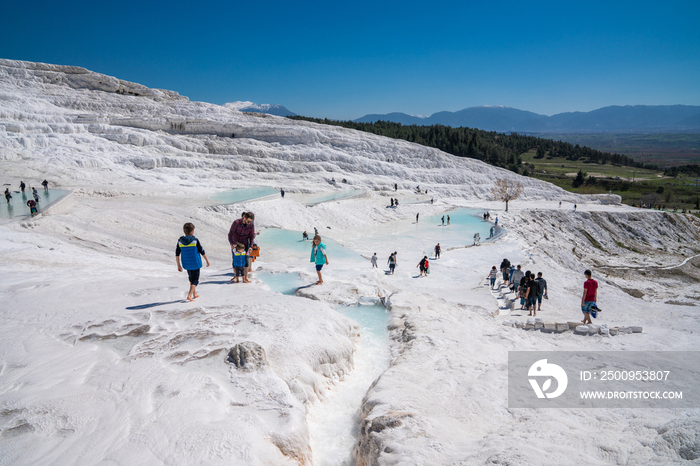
(642, 118)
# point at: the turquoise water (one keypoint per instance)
(289, 240)
(332, 196)
(244, 194)
(335, 425)
(285, 283)
(18, 204)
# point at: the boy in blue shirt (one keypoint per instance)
(190, 248)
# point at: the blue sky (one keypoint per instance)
(344, 60)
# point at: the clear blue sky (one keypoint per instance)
(346, 59)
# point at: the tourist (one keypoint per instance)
(574, 207)
(515, 278)
(524, 288)
(191, 250)
(22, 186)
(8, 196)
(492, 276)
(374, 260)
(417, 217)
(32, 207)
(242, 231)
(448, 219)
(589, 298)
(282, 193)
(396, 187)
(504, 264)
(491, 232)
(542, 290)
(315, 231)
(392, 202)
(396, 202)
(560, 204)
(423, 266)
(304, 236)
(392, 262)
(45, 184)
(438, 250)
(318, 257)
(35, 194)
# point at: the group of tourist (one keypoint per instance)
(530, 289)
(31, 203)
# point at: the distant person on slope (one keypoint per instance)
(8, 196)
(423, 266)
(392, 262)
(22, 186)
(191, 249)
(493, 274)
(542, 290)
(438, 250)
(448, 219)
(45, 184)
(318, 256)
(374, 260)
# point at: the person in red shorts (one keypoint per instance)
(589, 298)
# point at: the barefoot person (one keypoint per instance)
(318, 256)
(242, 231)
(191, 249)
(589, 297)
(492, 276)
(239, 261)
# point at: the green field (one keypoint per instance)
(635, 185)
(663, 149)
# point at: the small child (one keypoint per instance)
(318, 256)
(190, 248)
(239, 260)
(374, 261)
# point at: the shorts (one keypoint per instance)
(319, 267)
(586, 307)
(239, 271)
(392, 267)
(539, 298)
(193, 276)
(532, 300)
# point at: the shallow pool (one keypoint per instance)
(243, 194)
(18, 204)
(335, 423)
(291, 241)
(332, 196)
(282, 282)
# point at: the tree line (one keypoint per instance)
(499, 149)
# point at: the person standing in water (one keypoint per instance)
(22, 186)
(448, 219)
(318, 257)
(8, 196)
(45, 184)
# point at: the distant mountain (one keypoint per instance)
(642, 118)
(278, 110)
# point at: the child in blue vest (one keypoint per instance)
(239, 263)
(190, 249)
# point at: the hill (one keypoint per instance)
(640, 118)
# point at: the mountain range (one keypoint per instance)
(634, 118)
